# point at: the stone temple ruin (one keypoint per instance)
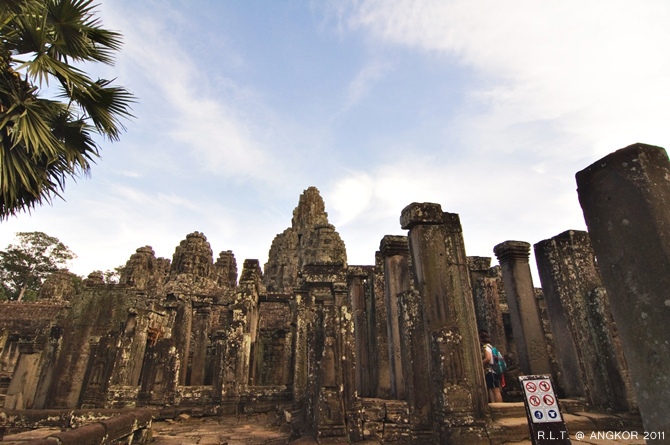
(387, 351)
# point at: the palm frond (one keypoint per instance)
(106, 105)
(44, 142)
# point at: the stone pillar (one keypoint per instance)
(364, 354)
(524, 312)
(625, 199)
(218, 385)
(383, 365)
(395, 255)
(181, 332)
(441, 276)
(160, 373)
(330, 416)
(22, 387)
(348, 351)
(590, 356)
(302, 319)
(487, 300)
(47, 370)
(201, 326)
(414, 364)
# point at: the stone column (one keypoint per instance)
(347, 341)
(201, 326)
(487, 300)
(47, 370)
(415, 361)
(589, 356)
(21, 390)
(382, 385)
(181, 332)
(302, 320)
(395, 255)
(524, 312)
(441, 276)
(625, 198)
(218, 386)
(364, 355)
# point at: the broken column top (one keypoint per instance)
(578, 236)
(625, 158)
(512, 250)
(427, 213)
(481, 263)
(394, 245)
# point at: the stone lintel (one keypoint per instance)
(512, 250)
(392, 245)
(359, 271)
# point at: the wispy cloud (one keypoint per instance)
(598, 69)
(205, 112)
(364, 80)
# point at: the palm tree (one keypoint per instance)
(45, 141)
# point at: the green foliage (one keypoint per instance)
(43, 141)
(25, 266)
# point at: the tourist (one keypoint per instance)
(493, 385)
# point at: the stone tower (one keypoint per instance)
(311, 240)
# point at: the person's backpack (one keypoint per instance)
(499, 364)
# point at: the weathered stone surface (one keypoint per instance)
(144, 271)
(395, 253)
(226, 269)
(193, 256)
(590, 355)
(310, 240)
(486, 284)
(625, 198)
(441, 276)
(58, 286)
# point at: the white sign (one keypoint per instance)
(542, 401)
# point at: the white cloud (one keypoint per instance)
(351, 196)
(596, 69)
(205, 112)
(364, 80)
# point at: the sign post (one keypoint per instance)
(544, 415)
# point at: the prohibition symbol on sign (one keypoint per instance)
(534, 400)
(548, 400)
(531, 387)
(544, 386)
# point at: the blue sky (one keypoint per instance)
(486, 107)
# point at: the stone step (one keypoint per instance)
(516, 409)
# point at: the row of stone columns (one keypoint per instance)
(433, 354)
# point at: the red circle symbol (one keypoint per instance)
(531, 387)
(548, 400)
(545, 386)
(534, 400)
